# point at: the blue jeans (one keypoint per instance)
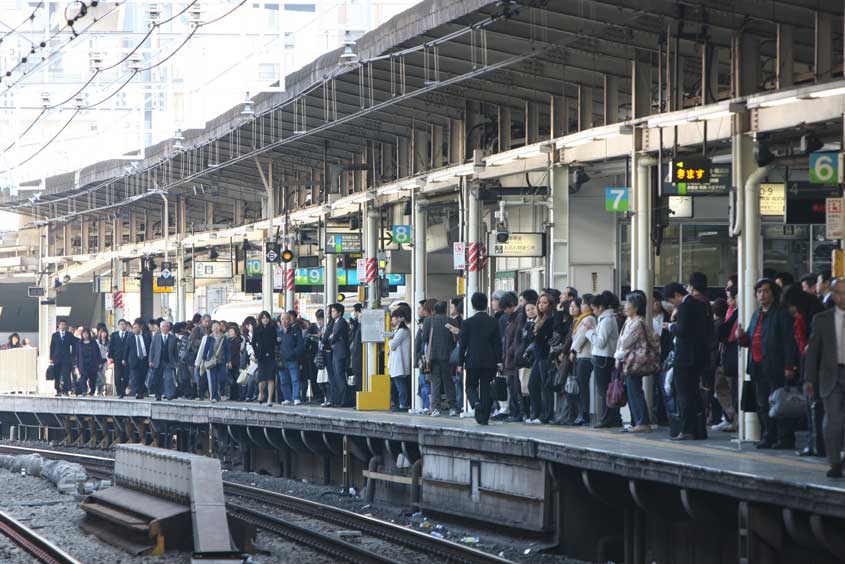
(289, 380)
(425, 390)
(215, 376)
(636, 400)
(458, 380)
(401, 384)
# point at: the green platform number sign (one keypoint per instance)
(824, 168)
(616, 199)
(253, 267)
(401, 234)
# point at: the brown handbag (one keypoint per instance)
(616, 396)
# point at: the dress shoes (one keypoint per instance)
(683, 437)
(835, 472)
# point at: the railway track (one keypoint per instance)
(439, 550)
(32, 543)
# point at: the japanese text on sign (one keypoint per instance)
(343, 243)
(691, 169)
(517, 245)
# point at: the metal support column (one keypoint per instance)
(117, 284)
(373, 216)
(269, 207)
(472, 228)
(330, 262)
(419, 275)
(611, 99)
(46, 306)
(643, 277)
(558, 263)
(585, 108)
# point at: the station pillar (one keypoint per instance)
(642, 276)
(330, 278)
(558, 265)
(117, 282)
(182, 313)
(290, 296)
(419, 275)
(747, 178)
(473, 262)
(46, 310)
(373, 216)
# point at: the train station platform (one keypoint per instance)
(719, 464)
(599, 494)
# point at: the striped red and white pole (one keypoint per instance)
(472, 257)
(483, 259)
(372, 270)
(289, 280)
(117, 299)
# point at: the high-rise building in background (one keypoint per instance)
(130, 73)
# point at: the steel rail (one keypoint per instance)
(439, 549)
(34, 544)
(312, 538)
(442, 549)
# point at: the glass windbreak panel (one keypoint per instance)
(708, 249)
(666, 265)
(822, 250)
(786, 248)
(623, 264)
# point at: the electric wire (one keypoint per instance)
(126, 82)
(14, 30)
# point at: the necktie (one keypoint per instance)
(141, 350)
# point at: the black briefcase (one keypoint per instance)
(499, 389)
(51, 372)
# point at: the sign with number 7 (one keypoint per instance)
(616, 199)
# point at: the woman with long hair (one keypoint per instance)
(264, 342)
(103, 343)
(399, 361)
(88, 363)
(14, 342)
(581, 357)
(539, 383)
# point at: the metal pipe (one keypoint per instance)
(372, 466)
(373, 216)
(642, 214)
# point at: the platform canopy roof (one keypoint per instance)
(434, 81)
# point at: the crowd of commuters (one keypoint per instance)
(533, 358)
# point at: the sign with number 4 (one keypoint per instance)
(616, 199)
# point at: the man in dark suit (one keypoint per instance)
(118, 342)
(771, 361)
(480, 353)
(824, 372)
(163, 362)
(137, 359)
(339, 343)
(690, 330)
(62, 353)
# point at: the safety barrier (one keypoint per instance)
(19, 371)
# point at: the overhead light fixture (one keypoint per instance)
(248, 110)
(522, 153)
(828, 93)
(779, 102)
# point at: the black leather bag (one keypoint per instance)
(51, 372)
(499, 389)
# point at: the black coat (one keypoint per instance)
(356, 347)
(339, 338)
(264, 342)
(691, 329)
(131, 355)
(63, 350)
(117, 346)
(481, 342)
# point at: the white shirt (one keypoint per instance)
(838, 320)
(142, 351)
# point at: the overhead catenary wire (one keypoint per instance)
(45, 42)
(135, 72)
(97, 72)
(14, 30)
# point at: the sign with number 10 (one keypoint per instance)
(616, 199)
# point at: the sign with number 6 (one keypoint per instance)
(824, 168)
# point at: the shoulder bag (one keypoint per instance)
(425, 359)
(787, 402)
(644, 358)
